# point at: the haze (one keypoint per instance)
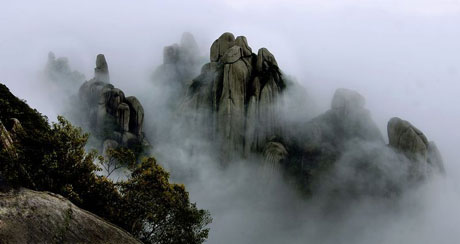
(402, 56)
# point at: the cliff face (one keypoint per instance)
(116, 119)
(28, 216)
(237, 91)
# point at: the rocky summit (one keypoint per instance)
(238, 90)
(114, 118)
(407, 139)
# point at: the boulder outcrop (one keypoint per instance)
(28, 216)
(407, 139)
(101, 72)
(112, 116)
(238, 91)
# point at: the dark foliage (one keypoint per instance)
(53, 158)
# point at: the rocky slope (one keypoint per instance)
(28, 216)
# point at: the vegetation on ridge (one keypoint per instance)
(53, 158)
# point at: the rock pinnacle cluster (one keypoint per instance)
(112, 116)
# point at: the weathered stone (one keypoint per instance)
(221, 45)
(137, 115)
(231, 110)
(240, 101)
(123, 116)
(232, 55)
(108, 109)
(112, 98)
(101, 72)
(265, 60)
(242, 42)
(41, 217)
(406, 138)
(252, 135)
(411, 142)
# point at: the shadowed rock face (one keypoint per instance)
(238, 90)
(111, 115)
(101, 72)
(407, 139)
(28, 216)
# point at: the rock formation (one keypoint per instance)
(28, 216)
(114, 118)
(407, 139)
(237, 100)
(238, 91)
(101, 72)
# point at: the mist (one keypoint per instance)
(402, 56)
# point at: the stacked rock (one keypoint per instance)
(112, 117)
(239, 90)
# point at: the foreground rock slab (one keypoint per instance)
(28, 216)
